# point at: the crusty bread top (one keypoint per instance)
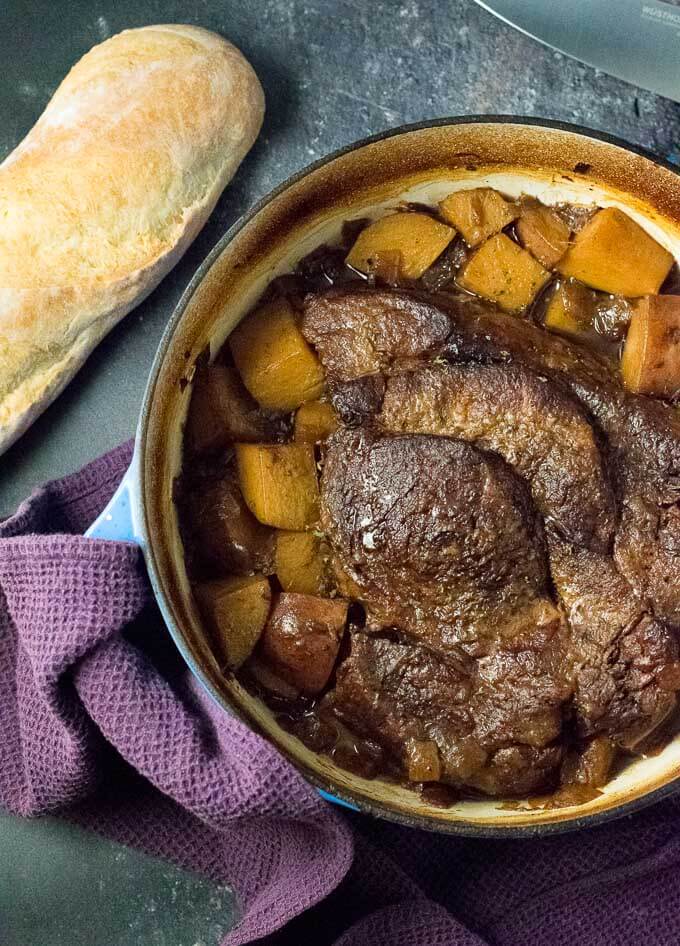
(105, 193)
(135, 133)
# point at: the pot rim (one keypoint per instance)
(347, 798)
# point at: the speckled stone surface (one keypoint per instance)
(333, 71)
(132, 899)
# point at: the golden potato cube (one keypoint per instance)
(314, 421)
(570, 309)
(650, 363)
(418, 237)
(542, 233)
(614, 254)
(504, 273)
(236, 611)
(301, 562)
(275, 362)
(279, 483)
(477, 213)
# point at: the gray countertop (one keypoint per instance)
(333, 71)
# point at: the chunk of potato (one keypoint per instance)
(236, 610)
(279, 483)
(222, 410)
(650, 363)
(418, 237)
(503, 272)
(301, 562)
(301, 639)
(221, 533)
(275, 362)
(478, 213)
(314, 421)
(542, 233)
(422, 760)
(570, 309)
(613, 253)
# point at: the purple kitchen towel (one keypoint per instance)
(100, 722)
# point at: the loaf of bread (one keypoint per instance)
(106, 192)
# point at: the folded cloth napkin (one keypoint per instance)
(100, 721)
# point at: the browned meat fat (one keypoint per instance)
(541, 432)
(619, 650)
(356, 402)
(509, 517)
(354, 337)
(449, 561)
(440, 539)
(394, 692)
(642, 435)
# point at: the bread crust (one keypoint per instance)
(105, 194)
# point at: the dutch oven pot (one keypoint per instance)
(419, 163)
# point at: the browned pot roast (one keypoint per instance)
(432, 518)
(507, 512)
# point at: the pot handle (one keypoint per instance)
(119, 520)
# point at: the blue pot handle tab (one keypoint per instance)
(120, 520)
